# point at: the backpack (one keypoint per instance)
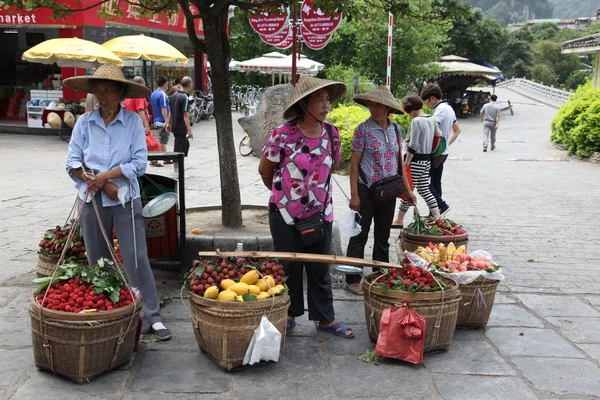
(439, 141)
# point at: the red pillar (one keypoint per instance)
(200, 70)
(68, 72)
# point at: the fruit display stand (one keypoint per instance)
(435, 230)
(478, 296)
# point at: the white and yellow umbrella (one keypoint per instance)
(71, 52)
(145, 47)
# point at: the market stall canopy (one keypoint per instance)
(71, 52)
(145, 47)
(273, 62)
(455, 65)
(306, 63)
(233, 65)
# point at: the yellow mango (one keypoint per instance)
(451, 251)
(226, 283)
(239, 288)
(253, 289)
(262, 285)
(227, 295)
(262, 296)
(462, 249)
(270, 280)
(211, 293)
(279, 287)
(275, 290)
(250, 277)
(239, 298)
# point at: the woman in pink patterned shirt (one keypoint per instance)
(298, 160)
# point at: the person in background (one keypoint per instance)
(48, 85)
(179, 121)
(418, 156)
(376, 155)
(160, 109)
(490, 116)
(296, 166)
(110, 142)
(140, 107)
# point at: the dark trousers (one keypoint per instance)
(435, 176)
(382, 215)
(319, 295)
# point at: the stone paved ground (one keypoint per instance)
(526, 203)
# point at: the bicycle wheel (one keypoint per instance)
(244, 148)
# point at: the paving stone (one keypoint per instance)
(301, 362)
(533, 342)
(176, 310)
(503, 299)
(17, 307)
(14, 363)
(183, 338)
(577, 329)
(175, 396)
(16, 332)
(561, 376)
(340, 346)
(350, 312)
(179, 372)
(557, 306)
(454, 387)
(593, 350)
(512, 315)
(377, 381)
(469, 358)
(44, 384)
(468, 334)
(527, 289)
(9, 293)
(594, 300)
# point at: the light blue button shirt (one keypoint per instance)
(120, 145)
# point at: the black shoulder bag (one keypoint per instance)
(311, 228)
(388, 188)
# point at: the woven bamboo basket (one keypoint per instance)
(411, 242)
(45, 265)
(82, 346)
(439, 311)
(475, 308)
(224, 329)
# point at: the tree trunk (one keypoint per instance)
(219, 55)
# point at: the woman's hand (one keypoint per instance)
(411, 198)
(354, 203)
(111, 190)
(96, 184)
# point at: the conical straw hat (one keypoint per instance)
(307, 85)
(380, 95)
(107, 72)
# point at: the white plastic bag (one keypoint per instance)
(265, 343)
(348, 225)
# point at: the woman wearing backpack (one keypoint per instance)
(420, 144)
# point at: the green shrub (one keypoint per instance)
(577, 123)
(339, 73)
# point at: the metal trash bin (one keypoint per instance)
(162, 230)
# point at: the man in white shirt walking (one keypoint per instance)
(490, 116)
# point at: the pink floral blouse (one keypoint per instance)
(301, 182)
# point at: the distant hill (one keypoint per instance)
(574, 8)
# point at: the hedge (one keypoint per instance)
(577, 122)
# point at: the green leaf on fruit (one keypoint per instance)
(249, 297)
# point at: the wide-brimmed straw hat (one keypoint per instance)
(307, 85)
(107, 72)
(380, 95)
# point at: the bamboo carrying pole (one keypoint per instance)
(303, 257)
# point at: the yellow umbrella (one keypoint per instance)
(71, 52)
(144, 47)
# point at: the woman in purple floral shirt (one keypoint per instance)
(298, 160)
(376, 152)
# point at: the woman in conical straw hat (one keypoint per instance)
(376, 154)
(109, 143)
(297, 162)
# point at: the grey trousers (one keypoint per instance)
(489, 132)
(119, 217)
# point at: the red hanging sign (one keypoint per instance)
(315, 42)
(287, 43)
(317, 22)
(278, 38)
(269, 23)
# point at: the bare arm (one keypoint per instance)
(412, 199)
(266, 168)
(355, 160)
(142, 115)
(186, 118)
(455, 132)
(482, 115)
(497, 121)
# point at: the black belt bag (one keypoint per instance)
(387, 189)
(310, 229)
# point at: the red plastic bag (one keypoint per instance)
(410, 182)
(151, 143)
(401, 335)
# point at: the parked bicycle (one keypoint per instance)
(244, 147)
